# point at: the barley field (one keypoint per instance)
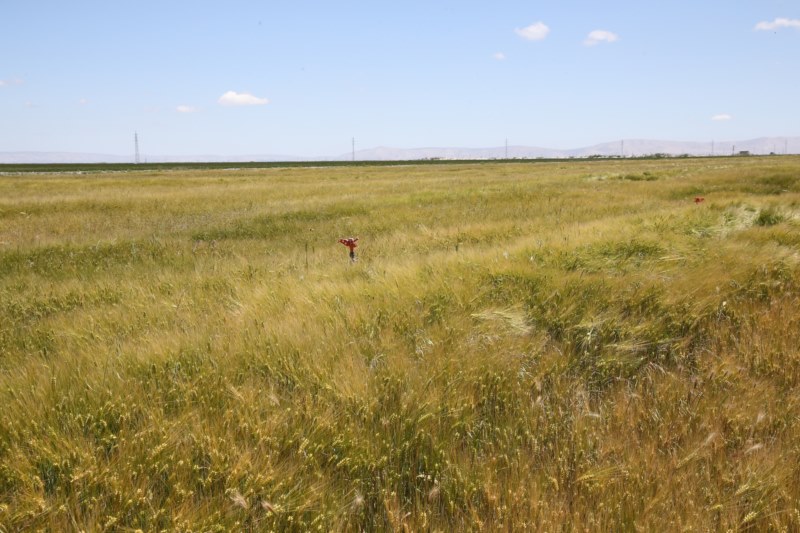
(542, 346)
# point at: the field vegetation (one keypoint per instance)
(520, 346)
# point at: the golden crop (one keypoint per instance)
(519, 346)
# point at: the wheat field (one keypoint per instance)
(543, 346)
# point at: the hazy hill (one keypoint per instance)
(626, 148)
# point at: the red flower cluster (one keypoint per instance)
(699, 199)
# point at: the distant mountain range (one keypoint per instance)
(625, 148)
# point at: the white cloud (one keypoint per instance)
(83, 101)
(232, 98)
(186, 109)
(777, 24)
(600, 36)
(722, 117)
(535, 32)
(500, 56)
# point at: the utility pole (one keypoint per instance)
(506, 147)
(354, 148)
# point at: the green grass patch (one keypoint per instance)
(67, 260)
(769, 216)
(285, 225)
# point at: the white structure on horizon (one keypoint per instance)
(136, 147)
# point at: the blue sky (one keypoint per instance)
(303, 77)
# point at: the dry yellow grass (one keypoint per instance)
(542, 346)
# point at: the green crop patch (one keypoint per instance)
(769, 217)
(644, 176)
(284, 225)
(778, 183)
(68, 260)
(17, 309)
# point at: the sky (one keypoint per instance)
(303, 78)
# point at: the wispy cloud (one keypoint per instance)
(500, 56)
(778, 23)
(83, 101)
(535, 32)
(186, 109)
(8, 83)
(722, 117)
(232, 98)
(600, 36)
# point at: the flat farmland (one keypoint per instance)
(561, 345)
